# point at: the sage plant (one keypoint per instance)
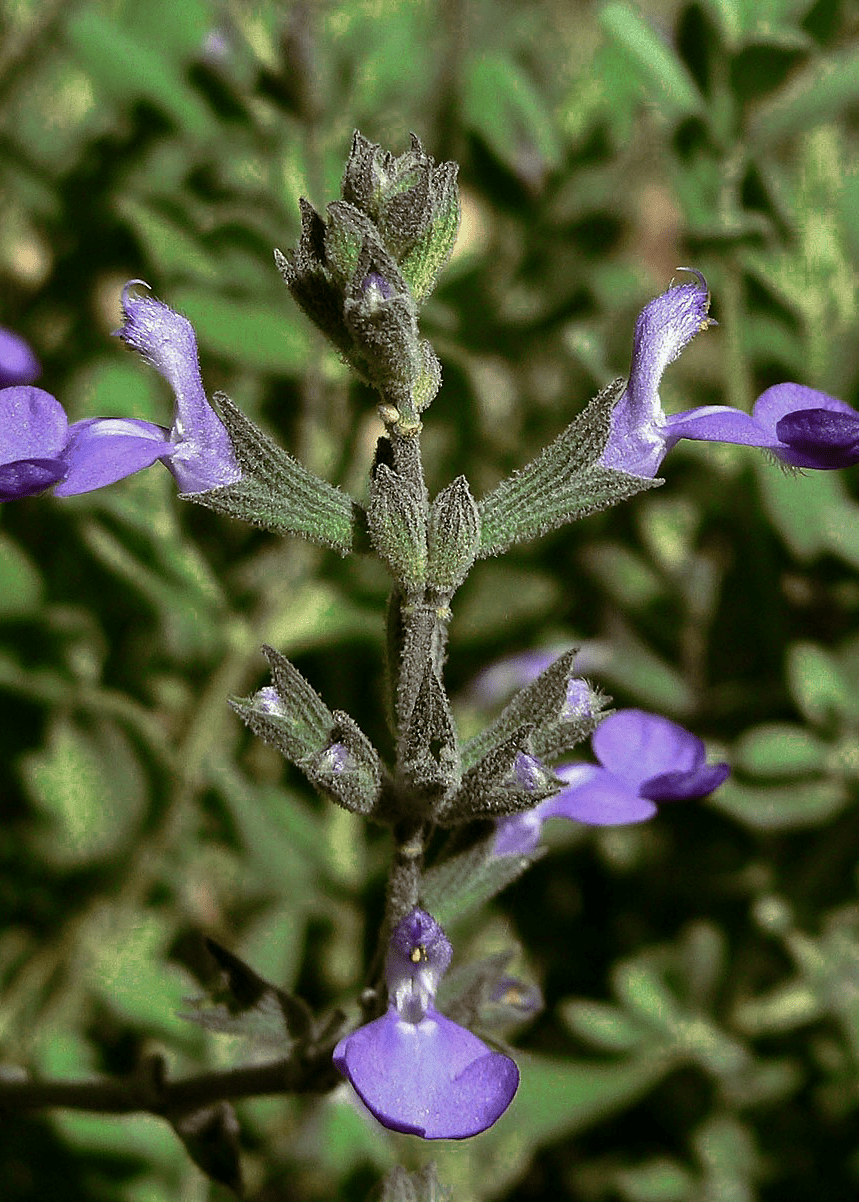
(462, 814)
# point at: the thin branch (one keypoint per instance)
(149, 1092)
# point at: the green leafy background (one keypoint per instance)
(701, 972)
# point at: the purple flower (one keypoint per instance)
(417, 1071)
(798, 425)
(197, 449)
(643, 759)
(18, 364)
(33, 433)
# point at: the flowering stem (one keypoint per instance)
(418, 635)
(404, 878)
(402, 896)
(418, 640)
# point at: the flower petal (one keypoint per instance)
(800, 425)
(418, 957)
(518, 834)
(33, 424)
(663, 328)
(817, 448)
(596, 797)
(830, 440)
(26, 477)
(683, 786)
(635, 444)
(638, 746)
(718, 423)
(102, 450)
(782, 399)
(433, 1078)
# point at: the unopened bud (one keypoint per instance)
(414, 203)
(397, 523)
(507, 780)
(453, 536)
(348, 769)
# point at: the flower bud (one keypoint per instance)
(413, 202)
(561, 708)
(397, 523)
(453, 536)
(329, 748)
(507, 780)
(348, 768)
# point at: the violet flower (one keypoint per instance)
(417, 1071)
(33, 433)
(18, 364)
(197, 449)
(643, 759)
(824, 433)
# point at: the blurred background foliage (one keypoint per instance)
(701, 973)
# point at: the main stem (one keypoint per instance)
(420, 638)
(405, 677)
